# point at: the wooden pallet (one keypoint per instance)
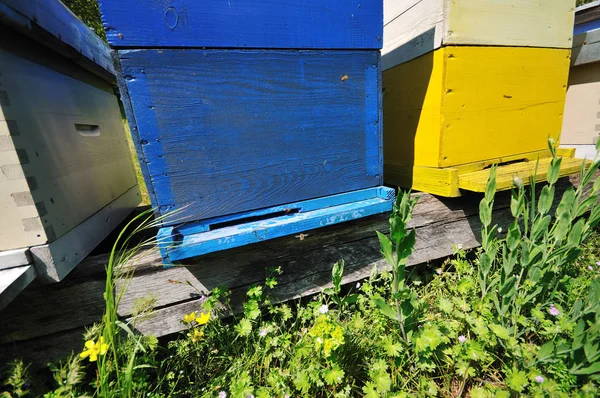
(449, 181)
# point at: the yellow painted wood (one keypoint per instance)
(432, 180)
(500, 101)
(412, 100)
(534, 23)
(477, 181)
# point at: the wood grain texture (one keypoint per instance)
(412, 111)
(306, 263)
(531, 23)
(244, 23)
(586, 48)
(415, 27)
(53, 261)
(54, 25)
(68, 175)
(226, 131)
(477, 181)
(14, 258)
(179, 245)
(13, 281)
(581, 123)
(463, 105)
(411, 28)
(439, 223)
(501, 101)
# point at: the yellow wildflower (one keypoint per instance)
(94, 349)
(203, 318)
(196, 335)
(189, 318)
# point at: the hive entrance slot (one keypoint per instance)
(249, 219)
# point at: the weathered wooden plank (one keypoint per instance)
(56, 175)
(14, 258)
(193, 244)
(13, 281)
(261, 128)
(435, 104)
(415, 27)
(55, 260)
(586, 48)
(533, 23)
(412, 28)
(232, 268)
(520, 105)
(581, 122)
(440, 223)
(53, 24)
(244, 23)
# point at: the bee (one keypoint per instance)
(344, 78)
(301, 236)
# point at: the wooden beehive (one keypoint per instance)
(253, 119)
(470, 83)
(581, 123)
(66, 173)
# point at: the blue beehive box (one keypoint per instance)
(253, 119)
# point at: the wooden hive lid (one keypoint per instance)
(52, 24)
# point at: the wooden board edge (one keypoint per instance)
(14, 258)
(13, 281)
(436, 181)
(55, 260)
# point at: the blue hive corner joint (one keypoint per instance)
(253, 120)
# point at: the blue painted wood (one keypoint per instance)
(587, 26)
(304, 24)
(196, 244)
(34, 17)
(297, 207)
(229, 131)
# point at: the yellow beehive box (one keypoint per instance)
(459, 97)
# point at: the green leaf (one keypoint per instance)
(385, 309)
(554, 171)
(255, 291)
(546, 199)
(485, 213)
(387, 248)
(333, 376)
(336, 276)
(485, 264)
(585, 205)
(391, 348)
(590, 173)
(500, 331)
(517, 202)
(516, 380)
(566, 203)
(405, 247)
(546, 352)
(490, 189)
(244, 327)
(562, 227)
(596, 186)
(513, 236)
(540, 227)
(252, 309)
(591, 351)
(574, 237)
(594, 368)
(397, 228)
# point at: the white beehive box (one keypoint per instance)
(66, 173)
